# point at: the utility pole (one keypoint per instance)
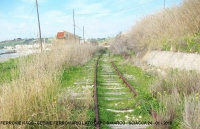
(164, 4)
(44, 42)
(83, 34)
(39, 25)
(74, 27)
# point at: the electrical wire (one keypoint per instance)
(26, 21)
(111, 12)
(116, 10)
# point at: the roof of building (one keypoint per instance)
(60, 35)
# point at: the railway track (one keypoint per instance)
(114, 98)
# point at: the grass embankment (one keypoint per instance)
(33, 96)
(176, 29)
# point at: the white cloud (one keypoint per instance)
(86, 7)
(60, 18)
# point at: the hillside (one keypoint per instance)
(175, 29)
(21, 41)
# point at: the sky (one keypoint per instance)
(100, 18)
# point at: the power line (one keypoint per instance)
(48, 9)
(26, 21)
(116, 10)
(78, 27)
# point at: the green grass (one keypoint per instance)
(187, 44)
(141, 83)
(73, 74)
(140, 111)
(70, 75)
(8, 70)
(145, 100)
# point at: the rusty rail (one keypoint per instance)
(97, 125)
(97, 122)
(151, 111)
(124, 80)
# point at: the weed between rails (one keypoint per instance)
(74, 79)
(140, 82)
(120, 99)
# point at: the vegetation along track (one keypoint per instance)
(114, 97)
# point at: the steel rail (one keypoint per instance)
(151, 111)
(97, 125)
(124, 80)
(97, 122)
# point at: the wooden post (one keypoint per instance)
(39, 25)
(164, 4)
(83, 34)
(74, 27)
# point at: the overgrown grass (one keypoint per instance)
(71, 74)
(140, 81)
(168, 26)
(178, 93)
(175, 29)
(79, 74)
(33, 96)
(8, 70)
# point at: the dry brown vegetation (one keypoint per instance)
(178, 93)
(120, 46)
(165, 29)
(183, 82)
(191, 112)
(175, 29)
(33, 95)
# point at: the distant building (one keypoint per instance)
(17, 39)
(67, 37)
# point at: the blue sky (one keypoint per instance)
(100, 18)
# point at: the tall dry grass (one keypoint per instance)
(191, 114)
(33, 95)
(168, 110)
(178, 92)
(167, 26)
(183, 82)
(176, 29)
